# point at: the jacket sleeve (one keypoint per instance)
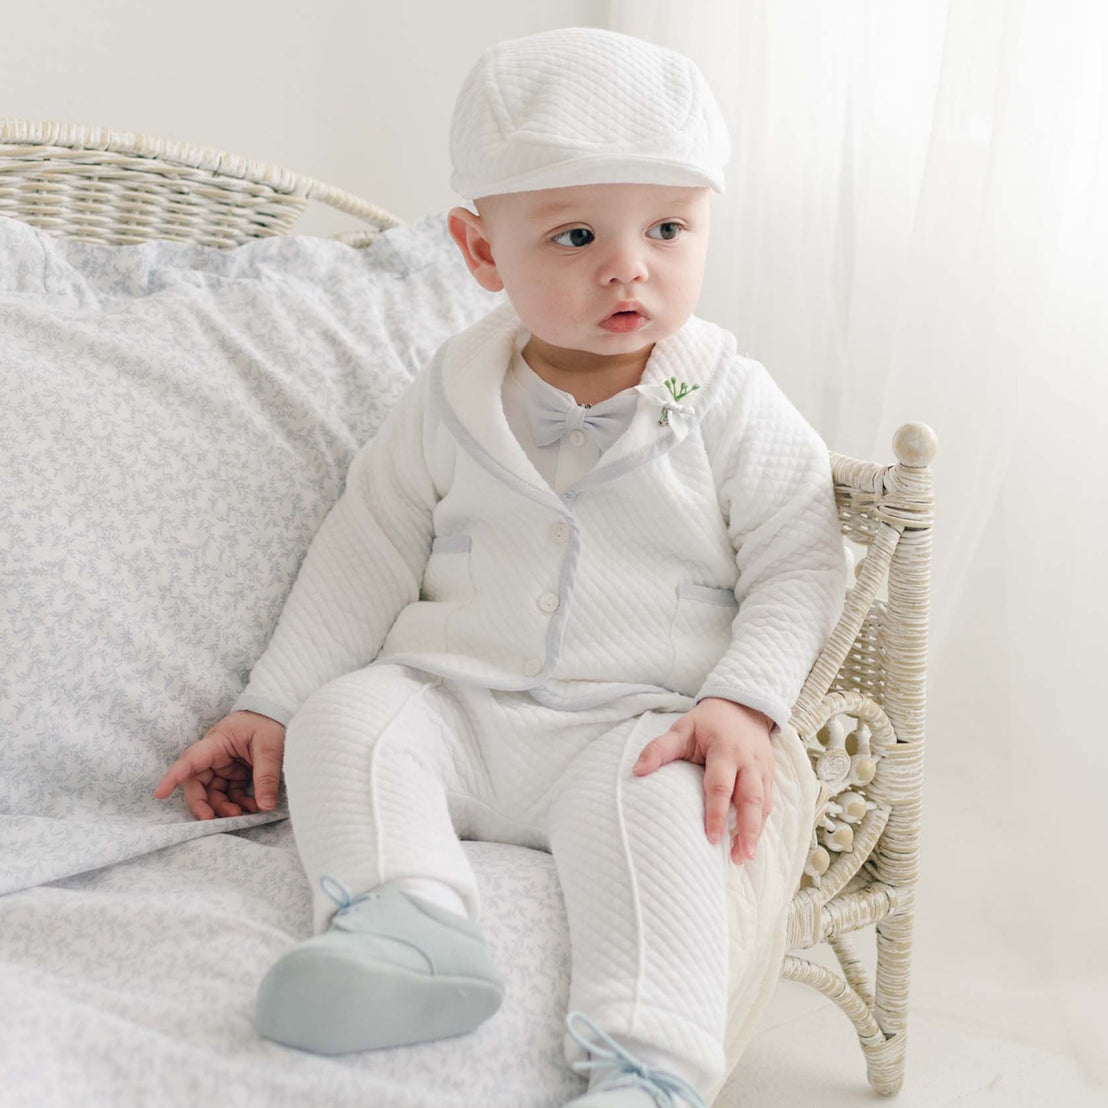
(363, 566)
(774, 480)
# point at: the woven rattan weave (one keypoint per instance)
(105, 186)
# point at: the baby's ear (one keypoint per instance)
(468, 231)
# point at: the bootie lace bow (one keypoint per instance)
(627, 1070)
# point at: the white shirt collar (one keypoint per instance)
(540, 392)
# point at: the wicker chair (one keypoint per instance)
(861, 711)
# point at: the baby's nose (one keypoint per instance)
(623, 267)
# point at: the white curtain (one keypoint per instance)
(915, 227)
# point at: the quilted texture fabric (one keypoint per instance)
(383, 764)
(672, 944)
(581, 106)
(703, 555)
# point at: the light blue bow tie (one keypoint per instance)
(552, 418)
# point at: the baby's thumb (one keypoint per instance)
(267, 771)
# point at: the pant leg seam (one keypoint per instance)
(378, 743)
(636, 900)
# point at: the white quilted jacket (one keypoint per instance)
(701, 555)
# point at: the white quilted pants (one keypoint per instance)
(388, 767)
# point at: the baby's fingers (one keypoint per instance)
(218, 800)
(223, 807)
(752, 804)
(720, 772)
(196, 798)
(176, 774)
(194, 761)
(237, 795)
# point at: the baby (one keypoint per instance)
(590, 541)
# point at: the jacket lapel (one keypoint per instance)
(692, 357)
(473, 365)
(471, 374)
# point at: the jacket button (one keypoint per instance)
(559, 532)
(532, 667)
(548, 602)
(578, 438)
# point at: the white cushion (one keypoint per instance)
(177, 420)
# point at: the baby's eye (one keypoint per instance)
(669, 230)
(579, 236)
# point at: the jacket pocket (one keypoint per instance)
(446, 576)
(700, 634)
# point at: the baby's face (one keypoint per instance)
(569, 258)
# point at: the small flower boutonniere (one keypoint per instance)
(678, 390)
(669, 395)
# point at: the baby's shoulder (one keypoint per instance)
(733, 380)
(714, 357)
(746, 410)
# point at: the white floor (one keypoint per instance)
(805, 1054)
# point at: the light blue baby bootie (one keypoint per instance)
(630, 1084)
(392, 969)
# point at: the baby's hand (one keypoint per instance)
(215, 770)
(732, 743)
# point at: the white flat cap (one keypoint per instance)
(584, 106)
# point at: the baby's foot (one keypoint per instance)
(625, 1081)
(392, 969)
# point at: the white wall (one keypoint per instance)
(357, 93)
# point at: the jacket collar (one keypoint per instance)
(470, 373)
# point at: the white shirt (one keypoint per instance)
(563, 462)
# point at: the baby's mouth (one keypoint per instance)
(628, 320)
(626, 308)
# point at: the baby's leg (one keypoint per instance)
(369, 759)
(645, 895)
